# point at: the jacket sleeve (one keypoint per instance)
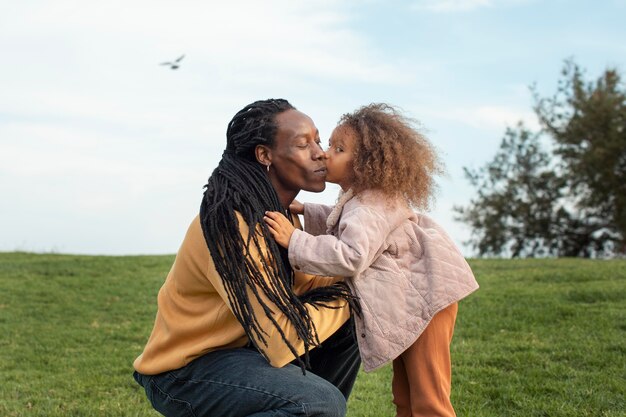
(327, 320)
(315, 216)
(363, 232)
(305, 282)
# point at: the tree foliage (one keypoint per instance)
(569, 201)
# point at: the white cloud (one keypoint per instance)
(493, 118)
(248, 38)
(497, 118)
(454, 6)
(444, 6)
(97, 63)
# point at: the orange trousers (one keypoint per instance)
(422, 374)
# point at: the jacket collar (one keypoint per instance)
(335, 214)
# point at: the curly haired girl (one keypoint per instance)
(403, 267)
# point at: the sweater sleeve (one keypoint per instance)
(363, 232)
(326, 320)
(315, 216)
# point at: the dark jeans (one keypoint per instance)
(240, 382)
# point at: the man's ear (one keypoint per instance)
(263, 154)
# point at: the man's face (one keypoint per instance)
(297, 157)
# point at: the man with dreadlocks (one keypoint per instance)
(237, 331)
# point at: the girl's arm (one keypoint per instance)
(282, 230)
(315, 216)
(363, 233)
(326, 319)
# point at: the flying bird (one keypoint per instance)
(175, 64)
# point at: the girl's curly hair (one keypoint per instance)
(391, 155)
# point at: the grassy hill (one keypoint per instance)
(540, 338)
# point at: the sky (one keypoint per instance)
(104, 151)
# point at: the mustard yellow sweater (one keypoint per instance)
(194, 316)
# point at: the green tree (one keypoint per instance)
(587, 122)
(517, 209)
(570, 201)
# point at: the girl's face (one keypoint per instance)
(339, 157)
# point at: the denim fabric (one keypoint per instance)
(240, 382)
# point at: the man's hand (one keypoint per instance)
(280, 227)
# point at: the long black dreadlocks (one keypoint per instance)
(240, 184)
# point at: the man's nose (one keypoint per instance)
(320, 154)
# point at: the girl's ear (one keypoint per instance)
(263, 154)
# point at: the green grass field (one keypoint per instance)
(540, 338)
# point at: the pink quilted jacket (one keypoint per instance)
(402, 266)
